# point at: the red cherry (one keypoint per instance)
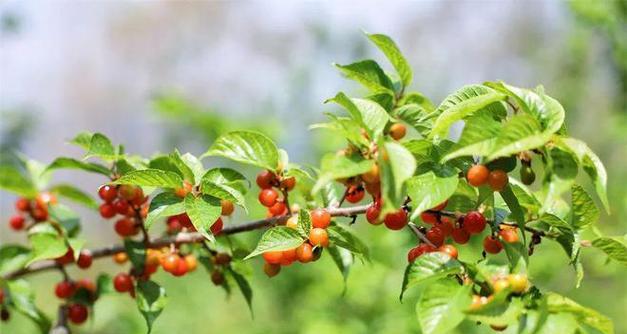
(273, 257)
(474, 222)
(170, 262)
(355, 194)
(372, 215)
(64, 289)
(509, 235)
(174, 225)
(436, 236)
(320, 218)
(77, 313)
(107, 210)
(429, 217)
(84, 259)
(492, 245)
(17, 222)
(39, 214)
(279, 208)
(413, 254)
(22, 204)
(445, 225)
(126, 227)
(68, 257)
(288, 183)
(266, 179)
(217, 227)
(108, 193)
(181, 268)
(396, 220)
(460, 236)
(123, 282)
(449, 249)
(121, 206)
(268, 197)
(186, 221)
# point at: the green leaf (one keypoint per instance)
(247, 147)
(584, 315)
(12, 180)
(429, 267)
(345, 127)
(151, 178)
(416, 116)
(341, 237)
(428, 190)
(164, 205)
(69, 163)
(136, 251)
(516, 211)
(461, 104)
(104, 285)
(23, 299)
(369, 74)
(244, 287)
(182, 166)
(394, 55)
(203, 211)
(83, 140)
(343, 259)
(585, 212)
(46, 242)
(498, 312)
(335, 166)
(440, 308)
(74, 194)
(366, 113)
(13, 257)
(151, 299)
(100, 146)
(225, 183)
(66, 217)
(478, 137)
(521, 132)
(278, 238)
(304, 223)
(395, 171)
(194, 164)
(613, 247)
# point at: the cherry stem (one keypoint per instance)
(419, 234)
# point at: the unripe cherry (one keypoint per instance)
(227, 207)
(217, 277)
(181, 268)
(474, 222)
(222, 259)
(120, 258)
(497, 180)
(450, 250)
(320, 218)
(477, 175)
(292, 222)
(509, 235)
(396, 220)
(170, 262)
(273, 257)
(518, 282)
(191, 262)
(185, 189)
(304, 253)
(371, 176)
(398, 131)
(319, 237)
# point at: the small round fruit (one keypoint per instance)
(450, 250)
(320, 218)
(192, 262)
(509, 235)
(373, 189)
(445, 226)
(398, 131)
(170, 262)
(184, 190)
(120, 258)
(278, 209)
(319, 237)
(268, 197)
(371, 176)
(518, 282)
(429, 217)
(474, 222)
(86, 284)
(506, 164)
(222, 259)
(477, 175)
(497, 180)
(355, 194)
(217, 227)
(372, 215)
(396, 220)
(271, 270)
(107, 210)
(292, 222)
(527, 175)
(460, 235)
(123, 282)
(492, 245)
(273, 257)
(77, 313)
(266, 179)
(126, 227)
(84, 259)
(478, 301)
(22, 204)
(217, 277)
(43, 199)
(127, 192)
(108, 193)
(181, 268)
(227, 207)
(121, 207)
(17, 222)
(413, 254)
(66, 258)
(304, 253)
(288, 183)
(500, 285)
(436, 236)
(64, 289)
(153, 257)
(39, 214)
(289, 256)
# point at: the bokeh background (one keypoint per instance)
(157, 75)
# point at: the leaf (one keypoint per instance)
(46, 242)
(478, 137)
(428, 190)
(585, 212)
(517, 213)
(195, 165)
(304, 223)
(244, 287)
(277, 239)
(335, 166)
(164, 205)
(100, 146)
(498, 312)
(182, 166)
(521, 132)
(247, 147)
(12, 180)
(344, 127)
(23, 299)
(584, 315)
(395, 171)
(367, 113)
(343, 259)
(341, 237)
(429, 267)
(151, 299)
(104, 285)
(13, 257)
(74, 194)
(69, 163)
(83, 140)
(151, 178)
(461, 104)
(440, 308)
(136, 251)
(369, 74)
(613, 247)
(416, 116)
(394, 55)
(203, 211)
(66, 217)
(225, 183)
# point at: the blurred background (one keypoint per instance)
(158, 75)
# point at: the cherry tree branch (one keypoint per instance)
(181, 238)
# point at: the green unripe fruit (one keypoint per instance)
(527, 175)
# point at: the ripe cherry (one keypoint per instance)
(413, 254)
(450, 250)
(181, 267)
(64, 289)
(445, 226)
(173, 225)
(268, 197)
(509, 235)
(1, 296)
(319, 237)
(396, 220)
(107, 210)
(126, 227)
(436, 236)
(279, 208)
(266, 179)
(273, 257)
(217, 227)
(355, 194)
(371, 176)
(492, 245)
(170, 262)
(77, 313)
(497, 180)
(84, 259)
(227, 207)
(372, 215)
(474, 222)
(108, 193)
(460, 236)
(217, 277)
(66, 258)
(289, 256)
(86, 284)
(320, 218)
(304, 253)
(398, 131)
(429, 217)
(39, 214)
(121, 207)
(123, 282)
(127, 192)
(17, 222)
(271, 270)
(22, 204)
(288, 183)
(477, 175)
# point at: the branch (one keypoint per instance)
(61, 327)
(182, 238)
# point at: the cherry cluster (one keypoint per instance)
(269, 196)
(78, 294)
(36, 210)
(126, 201)
(515, 284)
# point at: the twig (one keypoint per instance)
(61, 327)
(419, 234)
